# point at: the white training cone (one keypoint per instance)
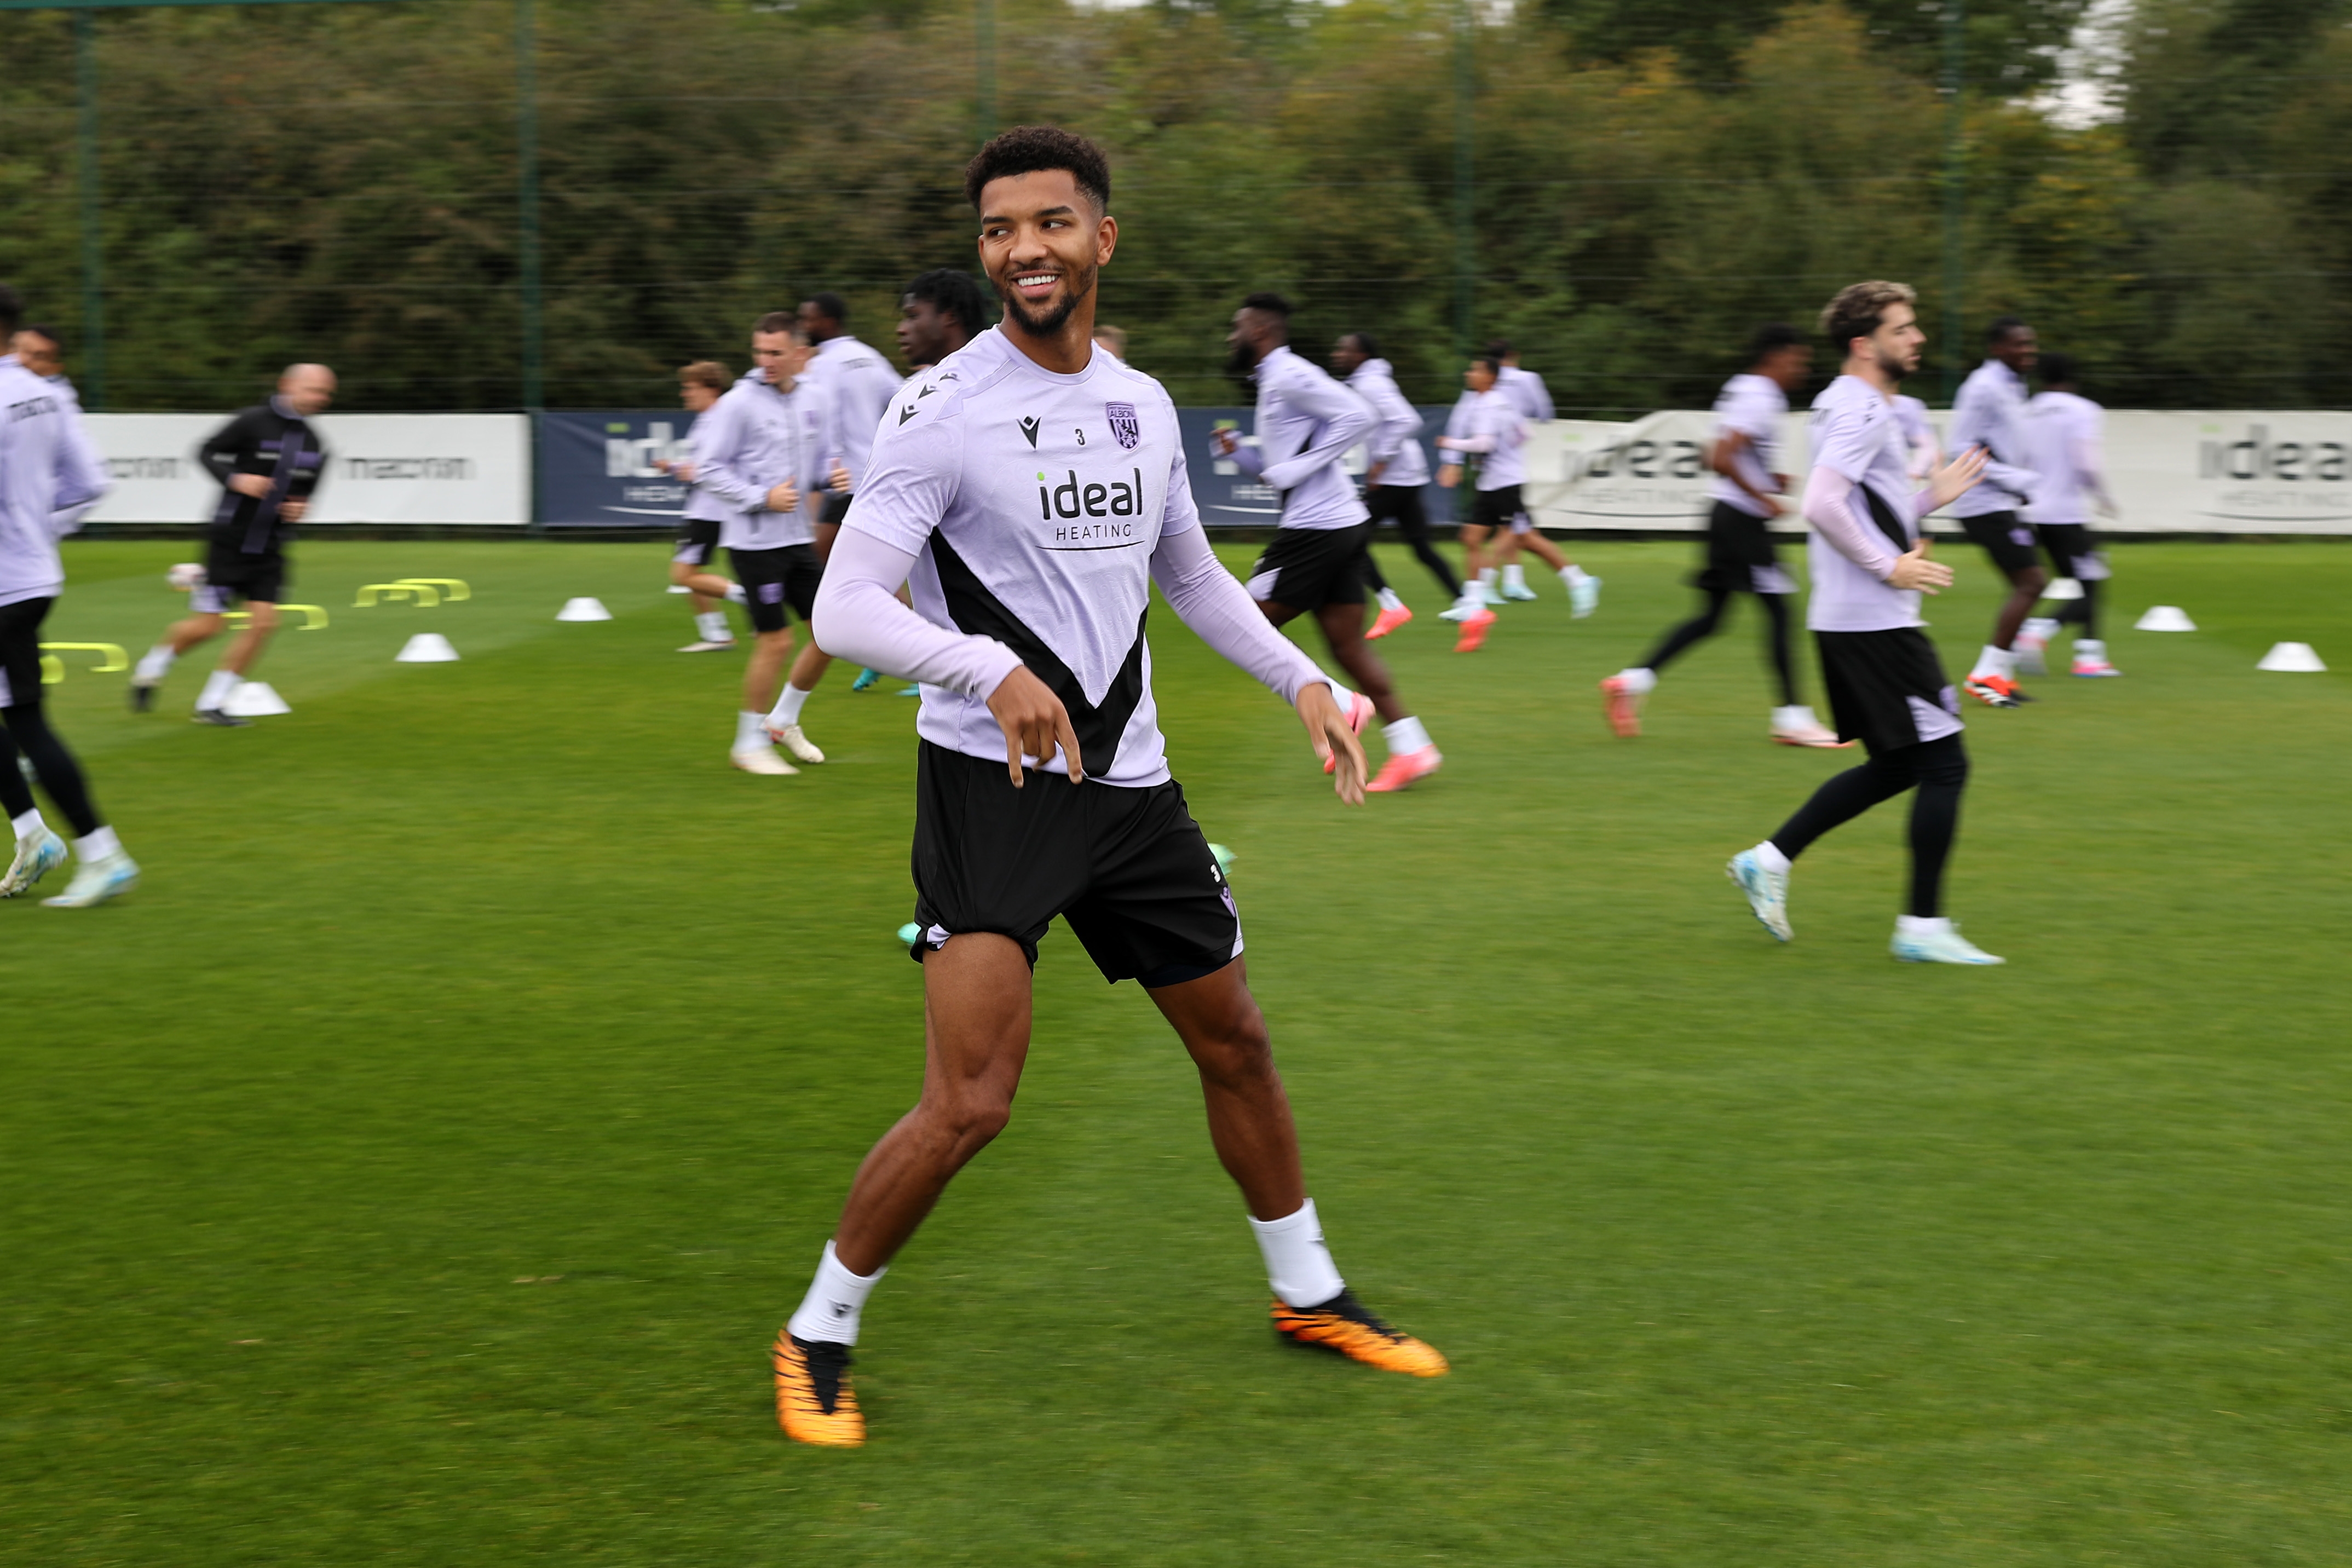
(584, 610)
(2062, 589)
(2165, 618)
(254, 700)
(2296, 657)
(427, 647)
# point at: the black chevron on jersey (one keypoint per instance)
(980, 613)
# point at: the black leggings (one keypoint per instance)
(28, 730)
(1938, 769)
(2083, 612)
(27, 727)
(1413, 526)
(1702, 626)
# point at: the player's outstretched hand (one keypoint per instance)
(1914, 569)
(786, 497)
(1332, 737)
(1956, 478)
(1035, 722)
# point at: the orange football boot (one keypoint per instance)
(1404, 768)
(1342, 1324)
(1388, 621)
(1474, 630)
(1993, 690)
(1623, 705)
(815, 1403)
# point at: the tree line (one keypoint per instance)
(1648, 182)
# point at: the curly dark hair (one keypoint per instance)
(1027, 149)
(952, 293)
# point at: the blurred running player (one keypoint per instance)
(1740, 557)
(1869, 564)
(268, 461)
(1988, 413)
(763, 451)
(41, 349)
(1490, 426)
(858, 384)
(1041, 786)
(1528, 393)
(48, 476)
(699, 386)
(1926, 453)
(2062, 444)
(1112, 341)
(1395, 473)
(1306, 423)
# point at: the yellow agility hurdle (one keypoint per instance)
(425, 595)
(314, 616)
(53, 669)
(452, 588)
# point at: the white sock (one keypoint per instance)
(1343, 697)
(1405, 735)
(1767, 854)
(750, 731)
(1389, 600)
(735, 594)
(1516, 575)
(1790, 716)
(2090, 648)
(1571, 574)
(1994, 660)
(1640, 682)
(156, 663)
(789, 706)
(28, 825)
(712, 625)
(835, 1300)
(1297, 1264)
(97, 845)
(1485, 577)
(1921, 925)
(219, 687)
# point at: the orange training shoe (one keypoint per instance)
(1623, 705)
(1388, 621)
(1473, 630)
(1359, 714)
(1993, 690)
(1404, 768)
(815, 1403)
(1343, 1325)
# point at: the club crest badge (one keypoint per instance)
(1124, 427)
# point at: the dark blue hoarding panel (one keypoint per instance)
(598, 470)
(1228, 498)
(601, 469)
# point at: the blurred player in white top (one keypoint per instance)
(1886, 688)
(1532, 398)
(2063, 445)
(1306, 424)
(1990, 411)
(1918, 438)
(1741, 558)
(1396, 470)
(699, 386)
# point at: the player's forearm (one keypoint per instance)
(1834, 511)
(1249, 459)
(1212, 602)
(858, 616)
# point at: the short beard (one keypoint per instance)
(1055, 319)
(1892, 368)
(1242, 363)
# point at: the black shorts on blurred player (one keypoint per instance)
(774, 578)
(2005, 538)
(697, 541)
(1126, 868)
(232, 576)
(1307, 568)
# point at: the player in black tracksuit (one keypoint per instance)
(269, 461)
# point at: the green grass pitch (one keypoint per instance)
(415, 1169)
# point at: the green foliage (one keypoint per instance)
(1651, 182)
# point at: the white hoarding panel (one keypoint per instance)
(382, 468)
